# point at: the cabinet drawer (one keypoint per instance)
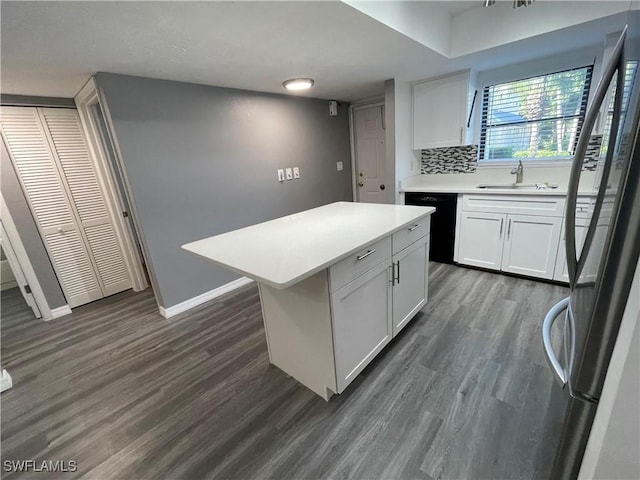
(584, 207)
(351, 268)
(411, 233)
(519, 205)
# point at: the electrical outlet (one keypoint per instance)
(280, 175)
(339, 166)
(289, 173)
(296, 172)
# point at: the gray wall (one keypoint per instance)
(28, 231)
(202, 160)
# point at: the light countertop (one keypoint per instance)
(286, 250)
(467, 183)
(467, 189)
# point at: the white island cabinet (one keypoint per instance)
(336, 284)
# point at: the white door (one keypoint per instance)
(361, 314)
(65, 134)
(371, 168)
(561, 273)
(16, 271)
(531, 245)
(48, 151)
(481, 239)
(410, 289)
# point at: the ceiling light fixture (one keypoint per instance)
(488, 3)
(298, 83)
(522, 3)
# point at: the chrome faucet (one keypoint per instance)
(518, 172)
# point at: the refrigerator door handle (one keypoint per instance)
(573, 264)
(547, 324)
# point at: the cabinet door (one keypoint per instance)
(54, 213)
(361, 315)
(561, 273)
(76, 167)
(410, 286)
(439, 112)
(531, 245)
(481, 239)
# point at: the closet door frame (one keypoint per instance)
(72, 212)
(25, 265)
(85, 100)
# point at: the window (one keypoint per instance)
(629, 77)
(534, 118)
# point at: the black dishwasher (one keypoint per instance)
(443, 222)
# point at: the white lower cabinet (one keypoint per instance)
(361, 322)
(481, 239)
(326, 329)
(510, 234)
(561, 272)
(531, 245)
(411, 272)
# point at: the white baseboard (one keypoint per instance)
(5, 382)
(205, 297)
(60, 311)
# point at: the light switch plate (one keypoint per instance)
(289, 173)
(280, 175)
(296, 172)
(339, 166)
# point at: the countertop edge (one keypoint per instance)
(483, 191)
(313, 271)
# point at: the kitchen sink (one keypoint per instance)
(518, 186)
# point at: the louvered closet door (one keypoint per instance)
(66, 136)
(30, 152)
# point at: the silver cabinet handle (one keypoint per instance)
(509, 228)
(393, 274)
(415, 227)
(398, 279)
(552, 358)
(501, 223)
(365, 255)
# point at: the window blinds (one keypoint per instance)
(537, 117)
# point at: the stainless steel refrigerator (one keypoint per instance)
(602, 250)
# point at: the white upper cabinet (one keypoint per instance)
(440, 112)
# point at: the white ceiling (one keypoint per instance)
(52, 48)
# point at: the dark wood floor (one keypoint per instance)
(462, 393)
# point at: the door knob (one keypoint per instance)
(361, 184)
(382, 187)
(60, 230)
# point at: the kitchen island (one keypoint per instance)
(336, 284)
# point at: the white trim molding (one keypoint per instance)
(5, 381)
(86, 100)
(60, 311)
(23, 260)
(203, 298)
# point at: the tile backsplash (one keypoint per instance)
(593, 152)
(463, 159)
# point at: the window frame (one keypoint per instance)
(547, 161)
(508, 72)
